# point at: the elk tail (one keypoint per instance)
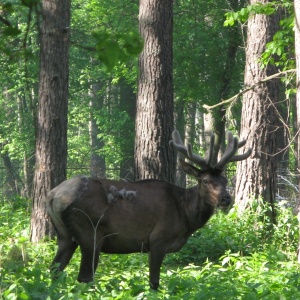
(55, 213)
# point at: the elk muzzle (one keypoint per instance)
(225, 202)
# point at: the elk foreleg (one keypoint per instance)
(156, 256)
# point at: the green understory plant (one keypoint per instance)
(236, 256)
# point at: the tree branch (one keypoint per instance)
(223, 102)
(6, 22)
(91, 49)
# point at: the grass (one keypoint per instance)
(234, 257)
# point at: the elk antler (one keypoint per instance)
(187, 152)
(233, 145)
(205, 163)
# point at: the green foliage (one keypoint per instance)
(110, 28)
(16, 17)
(280, 51)
(241, 233)
(30, 3)
(246, 12)
(236, 256)
(18, 64)
(208, 59)
(114, 123)
(104, 36)
(103, 26)
(112, 49)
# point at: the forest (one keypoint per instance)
(96, 88)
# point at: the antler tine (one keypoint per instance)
(241, 156)
(230, 151)
(229, 155)
(178, 145)
(242, 143)
(196, 158)
(211, 150)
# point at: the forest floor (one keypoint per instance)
(233, 257)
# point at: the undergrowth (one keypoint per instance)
(235, 256)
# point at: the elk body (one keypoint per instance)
(150, 216)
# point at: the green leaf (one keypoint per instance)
(8, 7)
(114, 48)
(229, 22)
(133, 43)
(29, 3)
(279, 51)
(23, 296)
(11, 31)
(225, 260)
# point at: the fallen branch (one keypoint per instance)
(223, 102)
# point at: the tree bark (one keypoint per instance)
(256, 176)
(155, 107)
(51, 139)
(297, 53)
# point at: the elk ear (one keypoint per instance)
(189, 169)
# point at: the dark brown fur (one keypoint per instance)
(157, 218)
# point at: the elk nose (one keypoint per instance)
(226, 200)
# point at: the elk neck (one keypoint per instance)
(197, 208)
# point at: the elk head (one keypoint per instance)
(211, 182)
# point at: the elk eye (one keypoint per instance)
(205, 181)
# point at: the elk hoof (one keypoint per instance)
(84, 279)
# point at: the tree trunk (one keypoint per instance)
(297, 52)
(25, 113)
(256, 176)
(12, 178)
(155, 108)
(180, 126)
(51, 140)
(128, 104)
(97, 161)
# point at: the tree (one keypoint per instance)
(128, 105)
(297, 52)
(200, 78)
(103, 70)
(256, 176)
(51, 128)
(97, 161)
(18, 64)
(154, 119)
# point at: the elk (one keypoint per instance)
(151, 216)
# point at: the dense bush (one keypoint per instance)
(236, 256)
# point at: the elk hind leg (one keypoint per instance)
(65, 251)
